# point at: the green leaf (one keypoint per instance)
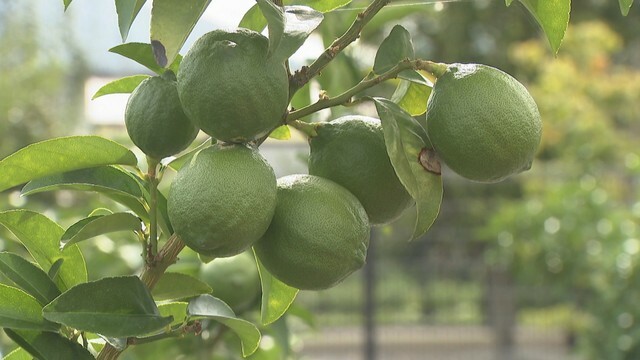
(553, 17)
(171, 23)
(19, 310)
(98, 225)
(113, 307)
(395, 48)
(48, 345)
(277, 296)
(18, 354)
(508, 2)
(253, 19)
(300, 22)
(625, 6)
(176, 286)
(142, 53)
(60, 155)
(101, 179)
(66, 4)
(125, 85)
(408, 146)
(275, 22)
(28, 277)
(207, 306)
(320, 5)
(281, 133)
(54, 270)
(127, 11)
(177, 163)
(411, 97)
(177, 310)
(41, 237)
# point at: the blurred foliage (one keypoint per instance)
(575, 229)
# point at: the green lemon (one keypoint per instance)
(234, 280)
(351, 151)
(482, 122)
(154, 118)
(318, 236)
(223, 200)
(230, 89)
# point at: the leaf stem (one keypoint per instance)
(304, 75)
(371, 80)
(153, 207)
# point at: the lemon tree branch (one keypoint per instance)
(302, 76)
(346, 97)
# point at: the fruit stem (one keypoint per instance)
(304, 75)
(152, 165)
(150, 276)
(371, 80)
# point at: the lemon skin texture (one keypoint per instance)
(234, 280)
(230, 89)
(319, 234)
(351, 151)
(482, 122)
(155, 120)
(222, 201)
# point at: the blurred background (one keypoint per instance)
(541, 266)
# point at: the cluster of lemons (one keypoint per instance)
(309, 230)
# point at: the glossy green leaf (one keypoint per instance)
(209, 307)
(171, 23)
(48, 345)
(113, 307)
(127, 11)
(281, 133)
(28, 277)
(553, 17)
(54, 270)
(178, 162)
(407, 146)
(320, 5)
(41, 237)
(125, 85)
(277, 296)
(142, 53)
(412, 97)
(300, 22)
(101, 179)
(176, 286)
(395, 48)
(18, 354)
(19, 310)
(61, 155)
(99, 225)
(275, 22)
(176, 310)
(625, 6)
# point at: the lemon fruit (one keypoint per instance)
(482, 122)
(154, 118)
(351, 151)
(230, 89)
(223, 200)
(234, 280)
(318, 236)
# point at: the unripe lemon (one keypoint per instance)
(351, 151)
(318, 236)
(482, 122)
(222, 201)
(155, 121)
(234, 280)
(230, 89)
